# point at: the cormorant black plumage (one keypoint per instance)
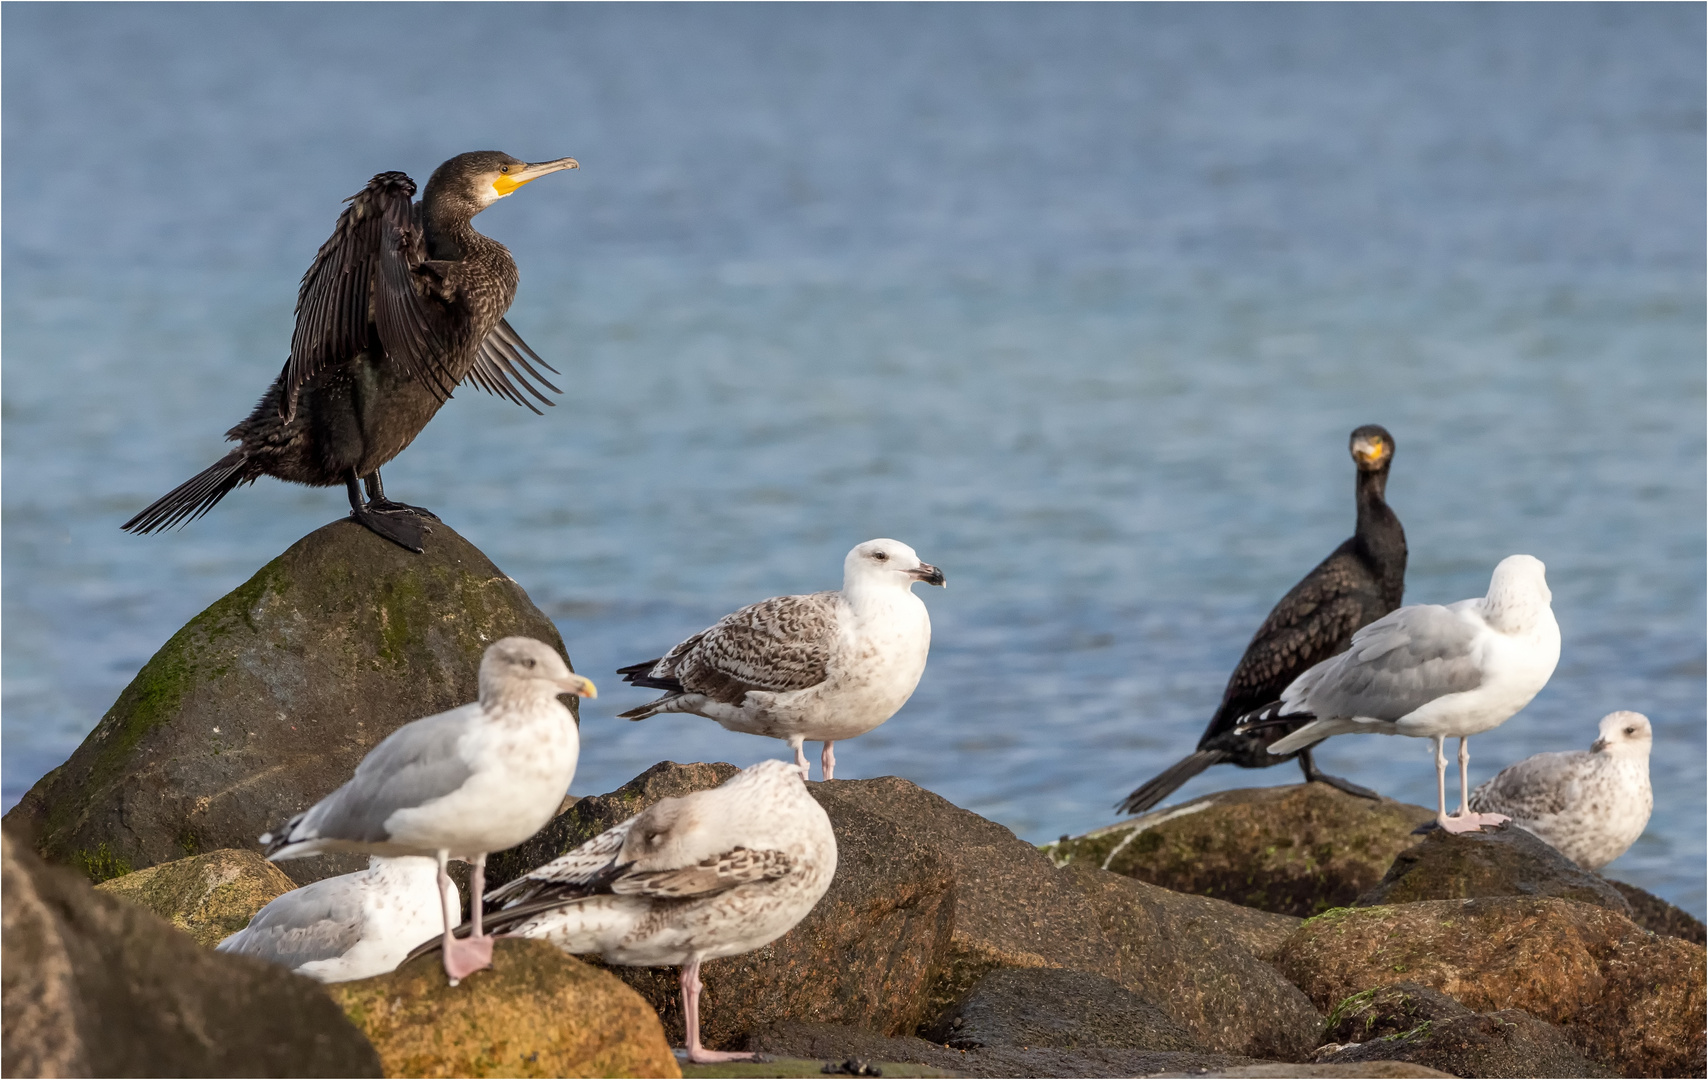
(1361, 582)
(402, 304)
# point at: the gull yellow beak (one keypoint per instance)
(578, 686)
(515, 178)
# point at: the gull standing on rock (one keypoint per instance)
(476, 779)
(825, 666)
(1433, 671)
(1589, 805)
(714, 873)
(352, 926)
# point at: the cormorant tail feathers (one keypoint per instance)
(195, 496)
(1163, 784)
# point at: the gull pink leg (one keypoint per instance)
(1475, 820)
(698, 1054)
(465, 956)
(827, 760)
(798, 745)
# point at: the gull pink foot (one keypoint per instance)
(699, 1055)
(465, 956)
(1465, 823)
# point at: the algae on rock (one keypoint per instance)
(209, 897)
(263, 704)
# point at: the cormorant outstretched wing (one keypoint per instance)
(504, 357)
(363, 280)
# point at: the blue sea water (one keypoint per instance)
(1079, 300)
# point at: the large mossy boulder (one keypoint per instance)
(1499, 862)
(929, 899)
(264, 703)
(535, 1012)
(94, 986)
(1626, 998)
(1297, 850)
(209, 897)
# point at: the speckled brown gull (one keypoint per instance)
(1431, 671)
(714, 873)
(1590, 805)
(825, 666)
(477, 779)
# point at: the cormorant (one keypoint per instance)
(1361, 582)
(402, 304)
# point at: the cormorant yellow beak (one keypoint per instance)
(578, 686)
(515, 178)
(1369, 449)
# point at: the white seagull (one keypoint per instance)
(826, 666)
(352, 926)
(1433, 671)
(476, 779)
(714, 873)
(1590, 805)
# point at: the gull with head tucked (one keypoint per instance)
(825, 666)
(1433, 671)
(480, 778)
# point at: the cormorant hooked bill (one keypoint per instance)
(1361, 582)
(402, 304)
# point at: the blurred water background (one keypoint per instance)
(1080, 301)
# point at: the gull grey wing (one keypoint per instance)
(738, 866)
(333, 316)
(571, 873)
(780, 644)
(319, 921)
(411, 767)
(1536, 787)
(1396, 665)
(502, 363)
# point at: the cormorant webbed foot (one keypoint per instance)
(403, 529)
(1313, 776)
(386, 506)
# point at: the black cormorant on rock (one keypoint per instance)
(402, 304)
(1361, 582)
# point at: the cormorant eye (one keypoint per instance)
(503, 168)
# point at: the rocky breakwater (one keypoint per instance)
(265, 702)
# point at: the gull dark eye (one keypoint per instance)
(879, 555)
(529, 661)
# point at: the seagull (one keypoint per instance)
(1433, 671)
(1590, 805)
(353, 926)
(1362, 580)
(479, 778)
(714, 873)
(825, 666)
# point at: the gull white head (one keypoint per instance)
(1625, 735)
(682, 831)
(1518, 594)
(521, 669)
(879, 563)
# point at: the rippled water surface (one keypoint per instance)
(1081, 301)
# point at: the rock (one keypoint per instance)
(1657, 916)
(1055, 1008)
(1178, 951)
(208, 896)
(1374, 1070)
(264, 703)
(864, 956)
(930, 898)
(1624, 997)
(94, 986)
(1510, 1042)
(1298, 850)
(1388, 1010)
(833, 1042)
(535, 1012)
(1502, 862)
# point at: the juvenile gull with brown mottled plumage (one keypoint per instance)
(825, 666)
(714, 873)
